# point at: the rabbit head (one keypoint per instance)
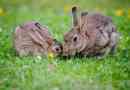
(74, 40)
(55, 47)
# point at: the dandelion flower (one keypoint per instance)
(119, 12)
(50, 55)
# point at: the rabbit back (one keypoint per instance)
(30, 38)
(101, 31)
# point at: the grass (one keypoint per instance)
(75, 73)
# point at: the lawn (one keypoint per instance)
(75, 73)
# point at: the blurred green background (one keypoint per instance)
(41, 73)
(59, 4)
(21, 11)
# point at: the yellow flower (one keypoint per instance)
(2, 12)
(50, 55)
(67, 8)
(119, 12)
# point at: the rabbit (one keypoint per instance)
(92, 34)
(32, 38)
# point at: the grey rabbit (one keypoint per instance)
(92, 34)
(32, 38)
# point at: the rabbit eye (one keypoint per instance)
(57, 49)
(37, 25)
(75, 39)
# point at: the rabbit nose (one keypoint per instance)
(57, 49)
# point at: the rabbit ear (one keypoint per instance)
(38, 25)
(83, 18)
(75, 17)
(37, 37)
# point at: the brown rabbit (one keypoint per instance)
(34, 39)
(92, 34)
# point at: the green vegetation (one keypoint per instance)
(75, 73)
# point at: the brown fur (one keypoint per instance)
(34, 39)
(95, 34)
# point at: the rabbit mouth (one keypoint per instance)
(69, 52)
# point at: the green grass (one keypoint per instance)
(75, 73)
